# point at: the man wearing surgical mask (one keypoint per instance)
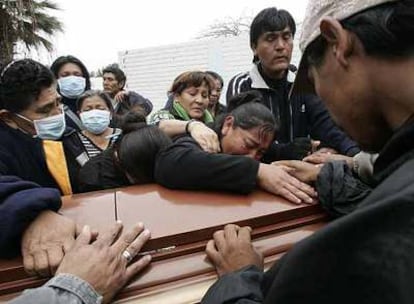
(38, 163)
(35, 141)
(73, 80)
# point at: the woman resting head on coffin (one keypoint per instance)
(130, 160)
(245, 134)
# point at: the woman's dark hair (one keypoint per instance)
(216, 76)
(62, 60)
(385, 31)
(138, 147)
(21, 83)
(118, 73)
(191, 79)
(248, 113)
(91, 93)
(242, 98)
(270, 20)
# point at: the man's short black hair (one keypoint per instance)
(118, 73)
(21, 83)
(270, 20)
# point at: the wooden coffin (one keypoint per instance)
(181, 223)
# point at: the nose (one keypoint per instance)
(198, 100)
(280, 43)
(58, 109)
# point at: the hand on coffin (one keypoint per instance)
(105, 262)
(276, 180)
(204, 136)
(303, 171)
(231, 249)
(45, 241)
(321, 157)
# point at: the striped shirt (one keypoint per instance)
(92, 149)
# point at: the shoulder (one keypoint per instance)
(136, 97)
(240, 82)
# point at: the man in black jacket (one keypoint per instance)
(300, 117)
(38, 162)
(114, 81)
(350, 50)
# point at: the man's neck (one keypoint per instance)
(393, 83)
(272, 75)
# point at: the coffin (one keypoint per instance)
(181, 223)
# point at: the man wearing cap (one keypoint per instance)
(300, 116)
(359, 57)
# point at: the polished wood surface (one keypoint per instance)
(182, 221)
(181, 217)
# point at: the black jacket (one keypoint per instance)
(184, 165)
(131, 102)
(22, 155)
(102, 172)
(298, 117)
(364, 257)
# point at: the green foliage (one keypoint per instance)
(27, 22)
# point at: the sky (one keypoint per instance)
(96, 30)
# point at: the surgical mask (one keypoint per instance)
(95, 121)
(50, 128)
(71, 86)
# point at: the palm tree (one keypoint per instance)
(26, 22)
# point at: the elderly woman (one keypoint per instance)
(188, 112)
(95, 111)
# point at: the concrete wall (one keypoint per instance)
(151, 71)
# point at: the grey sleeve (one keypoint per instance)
(240, 287)
(64, 288)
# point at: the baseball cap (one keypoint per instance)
(316, 10)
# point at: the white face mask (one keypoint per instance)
(96, 121)
(71, 86)
(50, 128)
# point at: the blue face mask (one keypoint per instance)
(50, 128)
(71, 86)
(95, 121)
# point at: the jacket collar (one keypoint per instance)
(259, 83)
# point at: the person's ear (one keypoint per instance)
(6, 116)
(121, 85)
(227, 125)
(339, 40)
(253, 47)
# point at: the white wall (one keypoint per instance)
(151, 71)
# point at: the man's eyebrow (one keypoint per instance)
(47, 105)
